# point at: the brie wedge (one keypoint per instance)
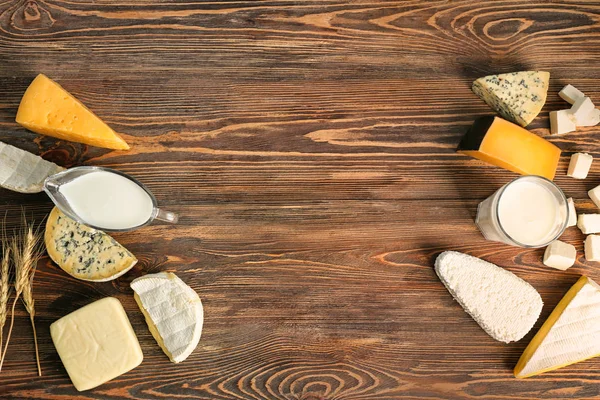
(173, 313)
(569, 335)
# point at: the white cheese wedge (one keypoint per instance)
(96, 343)
(518, 96)
(592, 248)
(504, 305)
(582, 108)
(84, 252)
(572, 213)
(580, 165)
(589, 223)
(173, 313)
(560, 255)
(562, 122)
(592, 119)
(570, 94)
(570, 334)
(595, 195)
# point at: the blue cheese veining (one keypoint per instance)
(517, 96)
(84, 252)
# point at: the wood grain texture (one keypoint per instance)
(309, 148)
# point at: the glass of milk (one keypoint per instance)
(105, 199)
(530, 211)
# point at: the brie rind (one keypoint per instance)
(173, 312)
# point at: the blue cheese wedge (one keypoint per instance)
(570, 334)
(173, 313)
(84, 252)
(503, 304)
(517, 96)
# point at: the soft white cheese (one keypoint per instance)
(582, 108)
(570, 94)
(592, 119)
(592, 248)
(595, 195)
(504, 305)
(589, 223)
(562, 122)
(173, 313)
(572, 212)
(580, 165)
(560, 255)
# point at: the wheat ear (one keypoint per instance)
(4, 288)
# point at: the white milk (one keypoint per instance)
(108, 200)
(529, 212)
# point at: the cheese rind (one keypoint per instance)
(580, 165)
(562, 122)
(570, 334)
(504, 305)
(84, 252)
(517, 96)
(592, 248)
(48, 109)
(173, 312)
(570, 94)
(560, 255)
(96, 343)
(504, 144)
(572, 213)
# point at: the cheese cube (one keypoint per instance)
(589, 223)
(560, 255)
(592, 248)
(580, 165)
(582, 108)
(592, 119)
(562, 122)
(595, 195)
(96, 343)
(572, 213)
(570, 94)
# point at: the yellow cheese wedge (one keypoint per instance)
(504, 144)
(570, 334)
(48, 109)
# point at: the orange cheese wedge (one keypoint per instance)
(48, 109)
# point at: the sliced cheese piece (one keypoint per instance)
(572, 213)
(592, 248)
(518, 96)
(582, 108)
(589, 223)
(592, 118)
(504, 144)
(580, 165)
(570, 334)
(570, 94)
(84, 252)
(173, 313)
(562, 122)
(560, 255)
(595, 195)
(96, 343)
(23, 172)
(48, 109)
(504, 305)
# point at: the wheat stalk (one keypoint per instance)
(4, 287)
(26, 253)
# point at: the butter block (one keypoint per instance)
(96, 343)
(580, 165)
(572, 213)
(589, 223)
(582, 108)
(595, 195)
(570, 94)
(562, 122)
(502, 143)
(592, 248)
(560, 255)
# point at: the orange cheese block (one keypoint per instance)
(502, 143)
(48, 109)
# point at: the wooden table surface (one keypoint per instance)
(309, 147)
